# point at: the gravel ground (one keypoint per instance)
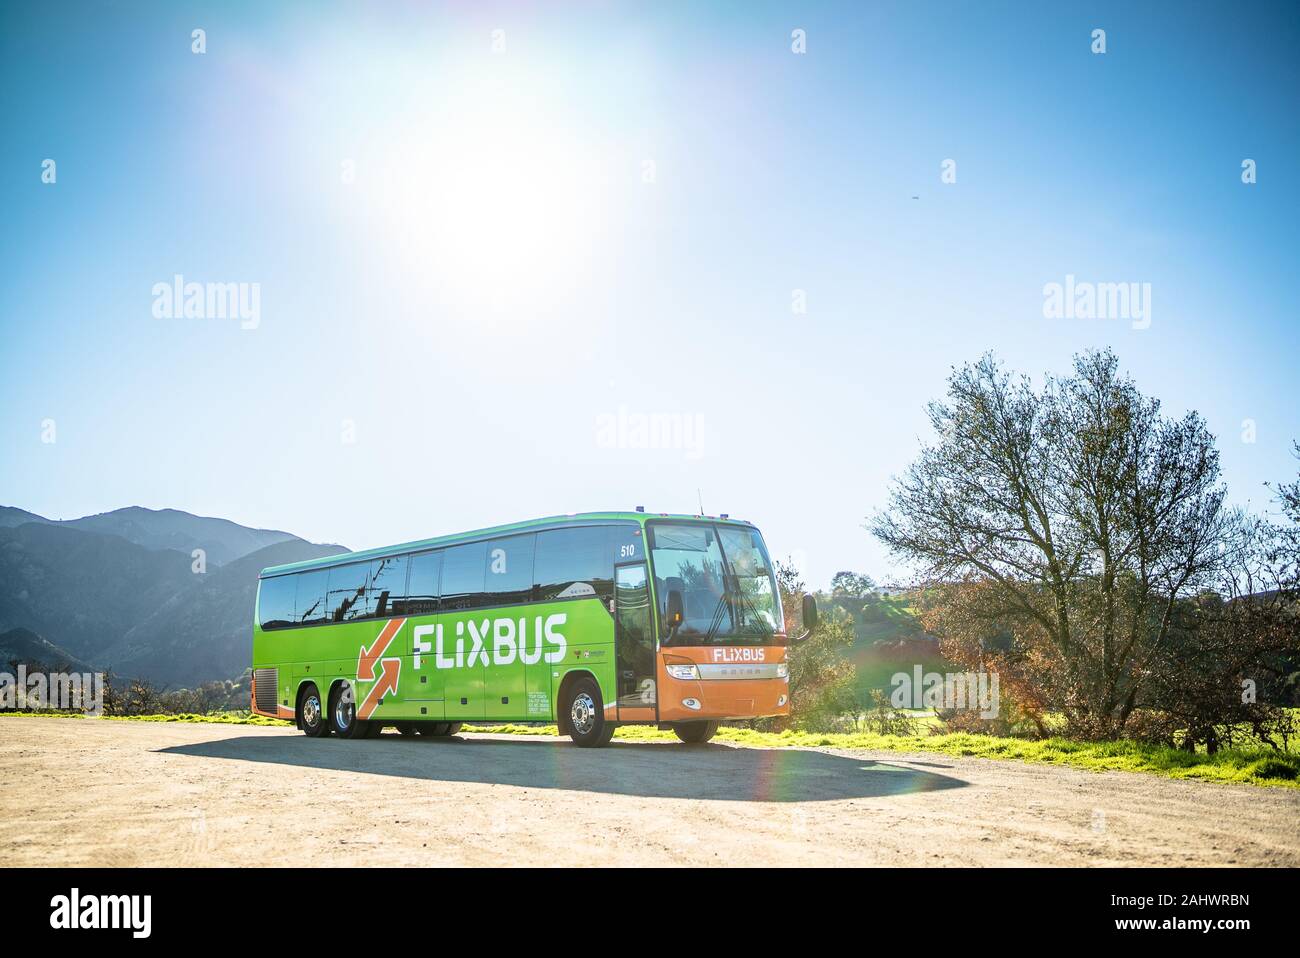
(88, 792)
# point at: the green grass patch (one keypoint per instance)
(1251, 766)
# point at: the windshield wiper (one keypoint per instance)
(750, 610)
(718, 610)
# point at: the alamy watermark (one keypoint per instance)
(625, 429)
(1085, 300)
(181, 300)
(72, 691)
(977, 691)
(95, 912)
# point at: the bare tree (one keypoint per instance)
(1076, 522)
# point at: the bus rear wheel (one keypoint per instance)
(343, 715)
(695, 733)
(586, 715)
(311, 716)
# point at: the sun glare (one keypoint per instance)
(492, 201)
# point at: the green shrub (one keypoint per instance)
(1274, 768)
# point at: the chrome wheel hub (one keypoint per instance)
(582, 713)
(311, 711)
(342, 715)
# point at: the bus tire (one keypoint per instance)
(343, 715)
(695, 733)
(585, 712)
(311, 716)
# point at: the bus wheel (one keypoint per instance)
(311, 717)
(406, 728)
(695, 733)
(586, 713)
(343, 715)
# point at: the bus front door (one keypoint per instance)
(634, 643)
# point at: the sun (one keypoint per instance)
(491, 199)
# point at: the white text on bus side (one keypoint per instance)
(507, 642)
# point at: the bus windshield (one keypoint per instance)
(725, 579)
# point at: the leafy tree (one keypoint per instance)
(821, 678)
(852, 584)
(1068, 537)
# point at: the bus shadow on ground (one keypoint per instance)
(648, 770)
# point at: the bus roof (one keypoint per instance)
(551, 522)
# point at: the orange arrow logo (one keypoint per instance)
(368, 657)
(387, 683)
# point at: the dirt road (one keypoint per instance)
(90, 792)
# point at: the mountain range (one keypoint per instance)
(119, 591)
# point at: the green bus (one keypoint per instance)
(591, 621)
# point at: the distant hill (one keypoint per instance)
(24, 645)
(205, 631)
(10, 517)
(887, 638)
(82, 590)
(103, 600)
(221, 540)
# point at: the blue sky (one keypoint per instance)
(472, 260)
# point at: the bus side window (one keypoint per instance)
(574, 563)
(510, 569)
(386, 590)
(309, 608)
(275, 601)
(346, 598)
(464, 570)
(422, 591)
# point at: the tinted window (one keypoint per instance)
(275, 601)
(309, 606)
(510, 569)
(422, 590)
(347, 592)
(463, 571)
(387, 588)
(572, 563)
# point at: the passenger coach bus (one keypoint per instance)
(591, 621)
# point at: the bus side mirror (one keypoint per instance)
(676, 609)
(809, 612)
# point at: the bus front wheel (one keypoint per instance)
(695, 733)
(585, 711)
(311, 715)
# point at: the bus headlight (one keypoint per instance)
(692, 704)
(782, 670)
(680, 667)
